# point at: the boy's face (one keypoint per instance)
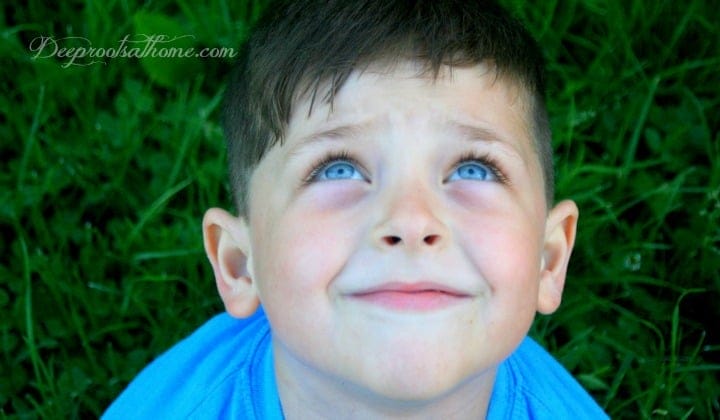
(400, 240)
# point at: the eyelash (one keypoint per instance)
(487, 160)
(326, 160)
(468, 157)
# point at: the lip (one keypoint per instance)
(411, 297)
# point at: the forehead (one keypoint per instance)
(384, 96)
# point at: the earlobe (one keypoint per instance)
(560, 229)
(227, 245)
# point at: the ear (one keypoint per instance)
(560, 228)
(227, 245)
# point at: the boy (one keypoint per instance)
(391, 163)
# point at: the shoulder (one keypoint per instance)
(202, 372)
(532, 384)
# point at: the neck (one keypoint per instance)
(306, 392)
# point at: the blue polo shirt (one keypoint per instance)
(225, 370)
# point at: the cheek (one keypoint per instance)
(507, 258)
(503, 236)
(309, 242)
(506, 251)
(301, 255)
(301, 258)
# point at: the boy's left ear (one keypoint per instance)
(560, 229)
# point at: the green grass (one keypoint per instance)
(107, 169)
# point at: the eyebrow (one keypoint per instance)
(471, 133)
(335, 133)
(475, 133)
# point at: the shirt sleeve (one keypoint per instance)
(221, 371)
(531, 384)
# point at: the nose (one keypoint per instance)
(411, 220)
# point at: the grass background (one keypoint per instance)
(107, 169)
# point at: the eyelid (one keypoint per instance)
(491, 163)
(326, 160)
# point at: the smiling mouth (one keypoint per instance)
(416, 297)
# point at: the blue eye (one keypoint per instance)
(472, 171)
(337, 170)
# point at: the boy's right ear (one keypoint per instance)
(227, 245)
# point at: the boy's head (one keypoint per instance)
(307, 49)
(392, 165)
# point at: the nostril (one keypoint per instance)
(431, 239)
(392, 240)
